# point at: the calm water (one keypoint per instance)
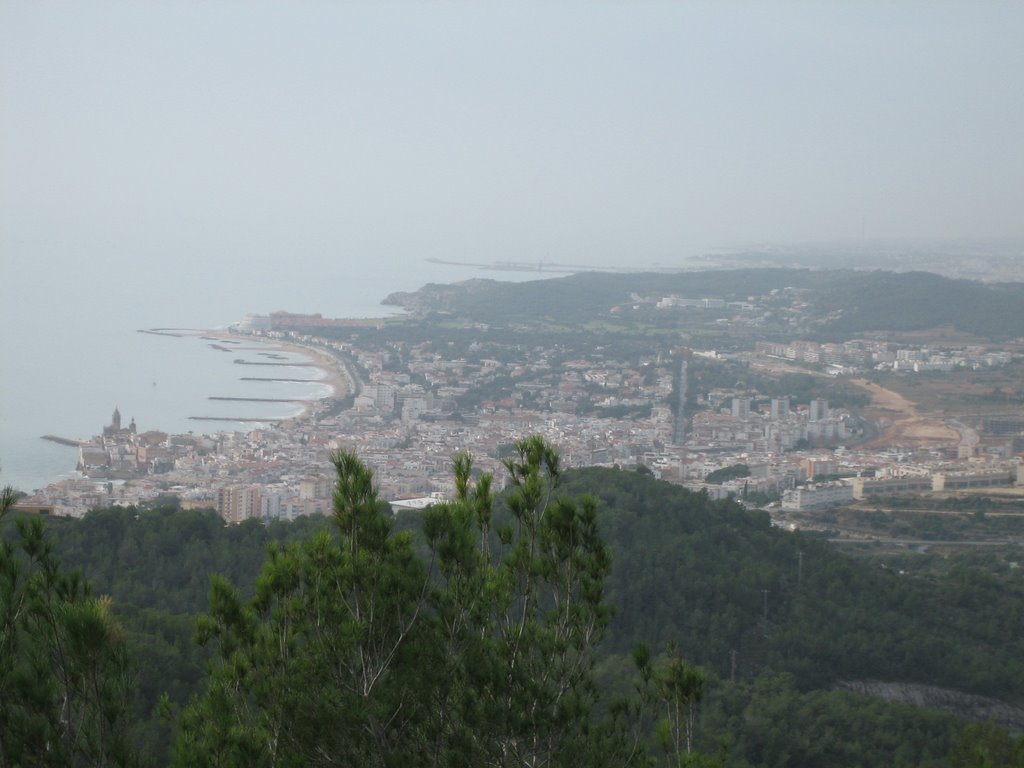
(72, 350)
(160, 381)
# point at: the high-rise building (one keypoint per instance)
(236, 503)
(780, 408)
(818, 410)
(316, 487)
(385, 398)
(741, 407)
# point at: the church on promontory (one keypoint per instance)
(114, 429)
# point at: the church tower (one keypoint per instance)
(115, 420)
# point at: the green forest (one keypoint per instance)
(843, 302)
(584, 617)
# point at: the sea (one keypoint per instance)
(73, 350)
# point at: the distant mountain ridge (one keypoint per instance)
(840, 302)
(912, 301)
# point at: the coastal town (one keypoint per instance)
(406, 406)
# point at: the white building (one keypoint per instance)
(817, 497)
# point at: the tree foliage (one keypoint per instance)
(732, 472)
(354, 651)
(692, 570)
(985, 745)
(65, 683)
(459, 580)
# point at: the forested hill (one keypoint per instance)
(910, 301)
(583, 296)
(685, 569)
(694, 571)
(838, 302)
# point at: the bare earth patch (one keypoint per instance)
(901, 422)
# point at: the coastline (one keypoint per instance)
(49, 461)
(335, 375)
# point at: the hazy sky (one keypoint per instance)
(593, 132)
(188, 162)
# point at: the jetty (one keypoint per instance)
(162, 332)
(258, 399)
(268, 420)
(63, 440)
(240, 361)
(272, 378)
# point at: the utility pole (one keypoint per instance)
(799, 567)
(732, 659)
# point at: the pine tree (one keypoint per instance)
(65, 681)
(521, 616)
(356, 652)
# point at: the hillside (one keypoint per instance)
(838, 302)
(912, 301)
(686, 570)
(695, 571)
(581, 297)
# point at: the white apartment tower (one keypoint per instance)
(818, 410)
(780, 408)
(741, 407)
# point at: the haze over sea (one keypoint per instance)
(73, 352)
(169, 164)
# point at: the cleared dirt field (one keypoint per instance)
(901, 423)
(968, 394)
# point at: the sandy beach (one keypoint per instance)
(334, 372)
